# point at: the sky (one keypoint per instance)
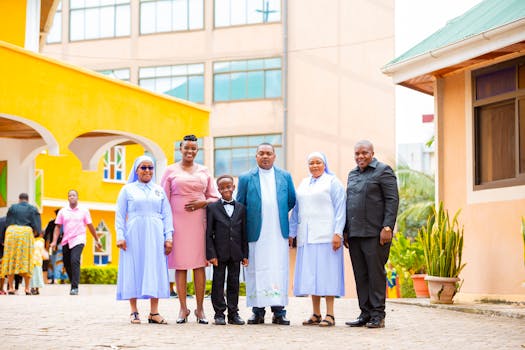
(416, 20)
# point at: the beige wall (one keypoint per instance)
(493, 243)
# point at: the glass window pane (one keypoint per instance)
(55, 34)
(239, 141)
(179, 70)
(238, 65)
(106, 21)
(238, 12)
(279, 157)
(163, 84)
(255, 64)
(274, 10)
(222, 162)
(123, 26)
(221, 87)
(222, 13)
(180, 15)
(196, 14)
(196, 89)
(76, 27)
(178, 88)
(163, 71)
(148, 84)
(196, 68)
(146, 72)
(255, 140)
(73, 4)
(255, 84)
(254, 11)
(221, 67)
(495, 83)
(272, 63)
(273, 83)
(496, 142)
(240, 160)
(238, 86)
(222, 142)
(92, 30)
(147, 18)
(163, 16)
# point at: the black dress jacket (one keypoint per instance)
(226, 237)
(372, 200)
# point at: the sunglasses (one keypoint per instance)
(144, 168)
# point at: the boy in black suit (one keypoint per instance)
(226, 248)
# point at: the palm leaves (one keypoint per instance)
(442, 241)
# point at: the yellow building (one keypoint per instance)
(63, 127)
(475, 69)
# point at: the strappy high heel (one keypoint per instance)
(200, 320)
(152, 320)
(327, 322)
(181, 320)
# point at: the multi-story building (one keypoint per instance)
(301, 74)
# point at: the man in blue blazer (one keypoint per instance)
(268, 194)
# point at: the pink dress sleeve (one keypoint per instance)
(211, 190)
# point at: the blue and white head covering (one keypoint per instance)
(323, 158)
(133, 176)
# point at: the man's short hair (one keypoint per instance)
(266, 144)
(23, 196)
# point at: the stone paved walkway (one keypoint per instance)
(95, 320)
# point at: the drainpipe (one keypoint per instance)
(285, 81)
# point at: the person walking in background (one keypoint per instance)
(23, 222)
(144, 228)
(226, 249)
(40, 254)
(55, 267)
(3, 221)
(371, 212)
(189, 187)
(268, 194)
(318, 220)
(73, 219)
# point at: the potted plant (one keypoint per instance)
(442, 241)
(407, 255)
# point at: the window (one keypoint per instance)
(499, 125)
(250, 79)
(183, 81)
(115, 164)
(55, 33)
(121, 74)
(93, 19)
(235, 155)
(102, 256)
(200, 155)
(158, 16)
(239, 12)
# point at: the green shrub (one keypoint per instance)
(98, 274)
(190, 288)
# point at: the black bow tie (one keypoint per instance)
(230, 203)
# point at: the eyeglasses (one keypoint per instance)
(144, 168)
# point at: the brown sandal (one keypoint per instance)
(326, 322)
(314, 320)
(157, 321)
(134, 318)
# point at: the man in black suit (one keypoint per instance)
(371, 212)
(226, 248)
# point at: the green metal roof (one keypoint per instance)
(486, 15)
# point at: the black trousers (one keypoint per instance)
(368, 262)
(232, 288)
(72, 263)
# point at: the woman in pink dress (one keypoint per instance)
(190, 188)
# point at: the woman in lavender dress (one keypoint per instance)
(317, 221)
(144, 235)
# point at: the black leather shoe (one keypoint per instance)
(254, 319)
(281, 320)
(220, 321)
(376, 323)
(359, 322)
(236, 319)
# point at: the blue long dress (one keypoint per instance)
(143, 219)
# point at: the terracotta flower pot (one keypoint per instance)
(442, 289)
(420, 286)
